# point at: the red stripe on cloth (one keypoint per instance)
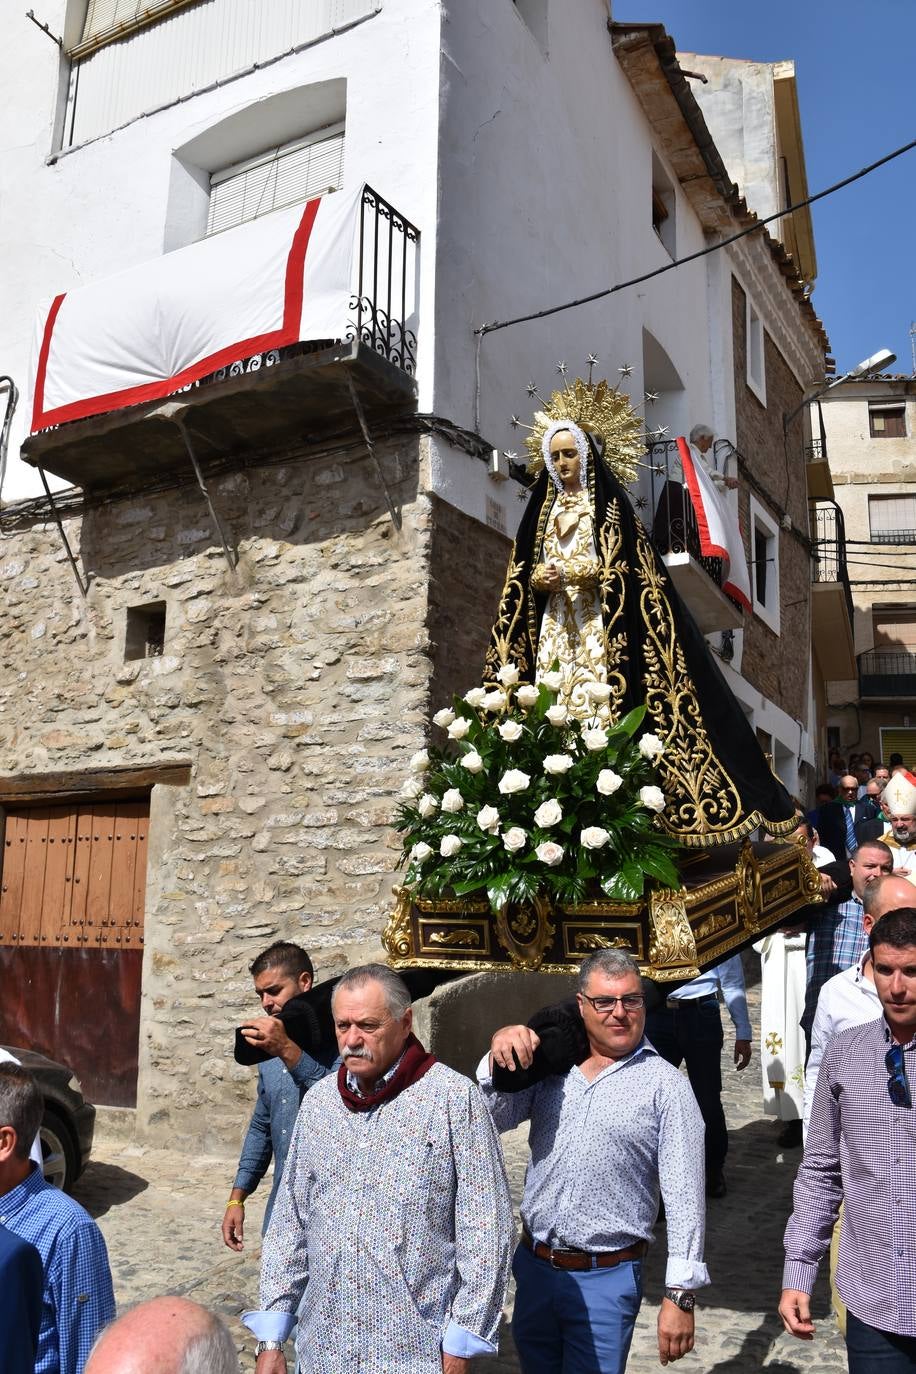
(707, 548)
(288, 333)
(39, 398)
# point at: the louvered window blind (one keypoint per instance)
(103, 16)
(284, 176)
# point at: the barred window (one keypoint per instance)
(282, 176)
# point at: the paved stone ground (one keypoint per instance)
(160, 1212)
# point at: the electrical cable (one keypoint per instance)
(493, 326)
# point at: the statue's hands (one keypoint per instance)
(547, 578)
(521, 1040)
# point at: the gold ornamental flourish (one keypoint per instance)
(396, 937)
(600, 410)
(672, 947)
(462, 938)
(592, 942)
(511, 922)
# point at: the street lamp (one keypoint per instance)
(876, 363)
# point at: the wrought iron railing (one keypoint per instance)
(828, 548)
(887, 673)
(671, 515)
(385, 298)
(893, 536)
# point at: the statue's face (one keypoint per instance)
(566, 459)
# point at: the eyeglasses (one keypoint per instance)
(631, 1001)
(897, 1084)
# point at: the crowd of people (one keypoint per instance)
(388, 1233)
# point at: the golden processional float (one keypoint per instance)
(600, 788)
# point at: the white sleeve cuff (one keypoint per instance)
(484, 1078)
(269, 1326)
(458, 1341)
(685, 1273)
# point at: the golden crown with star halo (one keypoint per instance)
(598, 409)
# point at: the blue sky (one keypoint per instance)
(854, 69)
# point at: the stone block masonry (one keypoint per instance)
(296, 686)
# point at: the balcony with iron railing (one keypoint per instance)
(672, 517)
(290, 390)
(831, 595)
(887, 674)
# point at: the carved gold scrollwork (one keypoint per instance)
(672, 948)
(514, 922)
(590, 942)
(463, 938)
(713, 924)
(396, 937)
(748, 895)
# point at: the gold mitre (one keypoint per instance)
(600, 410)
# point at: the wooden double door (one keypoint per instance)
(72, 891)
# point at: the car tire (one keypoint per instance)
(61, 1162)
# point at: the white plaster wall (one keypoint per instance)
(545, 195)
(104, 206)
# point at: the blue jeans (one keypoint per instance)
(870, 1351)
(574, 1323)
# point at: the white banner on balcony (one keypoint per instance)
(720, 533)
(153, 329)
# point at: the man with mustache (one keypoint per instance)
(392, 1226)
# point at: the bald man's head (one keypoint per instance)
(165, 1336)
(888, 894)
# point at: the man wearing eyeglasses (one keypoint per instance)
(861, 1151)
(604, 1137)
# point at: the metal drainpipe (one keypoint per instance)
(12, 399)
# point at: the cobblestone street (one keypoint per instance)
(160, 1212)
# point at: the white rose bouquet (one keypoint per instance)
(524, 799)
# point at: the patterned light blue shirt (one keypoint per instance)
(598, 1152)
(78, 1297)
(280, 1094)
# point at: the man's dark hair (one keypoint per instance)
(825, 789)
(288, 958)
(872, 844)
(896, 928)
(895, 761)
(21, 1105)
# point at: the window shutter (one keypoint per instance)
(104, 15)
(288, 175)
(892, 519)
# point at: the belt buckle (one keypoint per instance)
(553, 1252)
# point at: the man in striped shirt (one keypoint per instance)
(861, 1151)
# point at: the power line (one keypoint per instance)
(701, 253)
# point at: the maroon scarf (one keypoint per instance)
(415, 1062)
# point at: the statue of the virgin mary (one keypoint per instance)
(588, 596)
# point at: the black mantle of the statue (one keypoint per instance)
(731, 896)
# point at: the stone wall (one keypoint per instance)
(297, 686)
(777, 664)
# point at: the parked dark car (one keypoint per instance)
(69, 1120)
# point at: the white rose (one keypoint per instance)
(514, 839)
(608, 781)
(527, 696)
(558, 763)
(452, 800)
(594, 648)
(427, 805)
(420, 761)
(508, 675)
(553, 681)
(594, 837)
(494, 701)
(510, 731)
(557, 715)
(653, 798)
(488, 819)
(471, 761)
(412, 788)
(459, 728)
(450, 845)
(548, 813)
(444, 717)
(594, 739)
(651, 747)
(550, 853)
(513, 781)
(420, 852)
(598, 691)
(475, 696)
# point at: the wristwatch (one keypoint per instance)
(267, 1345)
(681, 1298)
